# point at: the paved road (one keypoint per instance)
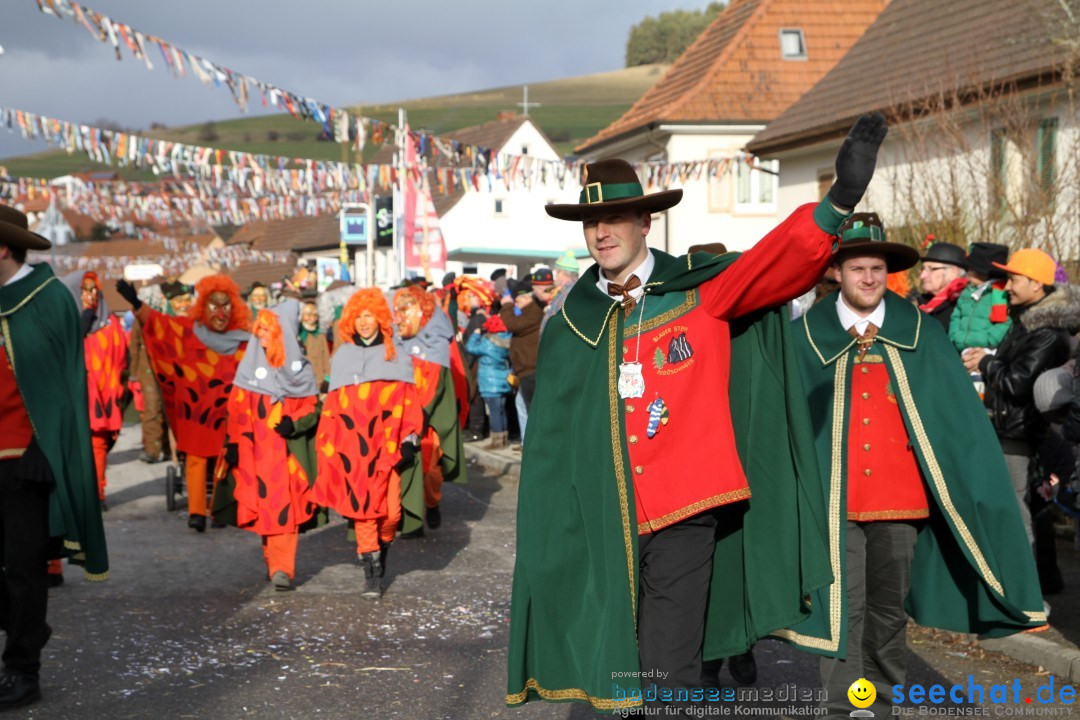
(187, 626)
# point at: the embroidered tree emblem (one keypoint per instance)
(658, 359)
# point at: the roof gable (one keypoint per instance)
(915, 50)
(734, 72)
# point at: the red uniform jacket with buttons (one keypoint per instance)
(691, 463)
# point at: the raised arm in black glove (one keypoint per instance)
(286, 427)
(856, 160)
(127, 291)
(408, 455)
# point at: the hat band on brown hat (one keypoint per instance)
(600, 192)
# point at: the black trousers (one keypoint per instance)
(675, 572)
(528, 387)
(877, 574)
(24, 590)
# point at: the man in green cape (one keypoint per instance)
(922, 519)
(47, 483)
(669, 507)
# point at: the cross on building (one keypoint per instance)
(525, 104)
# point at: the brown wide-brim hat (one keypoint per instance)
(613, 185)
(864, 234)
(15, 231)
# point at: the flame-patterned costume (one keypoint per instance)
(371, 409)
(195, 366)
(105, 354)
(433, 350)
(272, 406)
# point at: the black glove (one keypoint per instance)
(408, 455)
(285, 428)
(232, 454)
(856, 160)
(86, 320)
(127, 291)
(34, 466)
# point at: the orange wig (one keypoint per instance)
(372, 300)
(93, 276)
(273, 345)
(241, 315)
(425, 300)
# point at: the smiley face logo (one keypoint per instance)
(862, 693)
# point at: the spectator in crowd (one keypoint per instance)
(942, 280)
(1055, 462)
(258, 297)
(476, 315)
(522, 318)
(499, 279)
(491, 346)
(314, 342)
(1043, 318)
(981, 318)
(566, 274)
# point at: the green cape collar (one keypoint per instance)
(587, 309)
(15, 296)
(829, 340)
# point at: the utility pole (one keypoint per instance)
(399, 199)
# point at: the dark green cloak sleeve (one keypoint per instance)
(573, 617)
(973, 569)
(41, 325)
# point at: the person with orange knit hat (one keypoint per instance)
(369, 431)
(271, 410)
(428, 337)
(105, 346)
(1044, 316)
(194, 359)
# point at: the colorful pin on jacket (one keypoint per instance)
(658, 415)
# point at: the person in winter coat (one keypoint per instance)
(981, 316)
(1044, 315)
(492, 349)
(942, 280)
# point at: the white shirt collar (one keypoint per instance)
(643, 272)
(849, 317)
(23, 272)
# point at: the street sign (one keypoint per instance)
(384, 221)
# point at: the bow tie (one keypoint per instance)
(865, 340)
(628, 302)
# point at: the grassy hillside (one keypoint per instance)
(571, 110)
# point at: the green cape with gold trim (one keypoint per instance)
(973, 569)
(40, 324)
(573, 616)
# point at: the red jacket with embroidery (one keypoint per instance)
(691, 463)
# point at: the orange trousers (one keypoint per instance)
(280, 553)
(195, 476)
(370, 532)
(100, 442)
(433, 482)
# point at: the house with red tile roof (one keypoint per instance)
(981, 141)
(745, 69)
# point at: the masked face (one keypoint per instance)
(218, 311)
(258, 298)
(367, 327)
(89, 294)
(309, 317)
(408, 316)
(180, 304)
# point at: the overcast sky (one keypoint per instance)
(337, 51)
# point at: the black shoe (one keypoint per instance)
(17, 690)
(281, 581)
(217, 524)
(373, 573)
(151, 459)
(104, 505)
(197, 523)
(55, 579)
(434, 517)
(412, 534)
(743, 668)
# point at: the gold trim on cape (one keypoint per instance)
(28, 298)
(568, 694)
(591, 343)
(673, 517)
(662, 319)
(620, 468)
(836, 475)
(913, 514)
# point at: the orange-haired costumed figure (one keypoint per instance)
(195, 359)
(105, 347)
(369, 431)
(428, 337)
(272, 407)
